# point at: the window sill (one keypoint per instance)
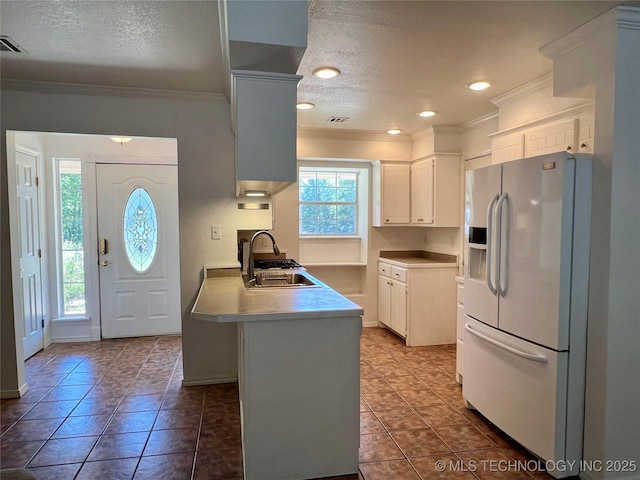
(343, 238)
(72, 320)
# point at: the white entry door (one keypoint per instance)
(139, 258)
(30, 253)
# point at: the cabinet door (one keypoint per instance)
(399, 307)
(422, 192)
(395, 194)
(384, 300)
(417, 192)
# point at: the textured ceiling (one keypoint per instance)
(148, 44)
(397, 57)
(400, 57)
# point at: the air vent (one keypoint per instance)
(7, 44)
(337, 119)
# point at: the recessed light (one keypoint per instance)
(305, 105)
(326, 72)
(394, 131)
(482, 85)
(427, 114)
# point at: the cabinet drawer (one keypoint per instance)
(384, 269)
(399, 274)
(460, 294)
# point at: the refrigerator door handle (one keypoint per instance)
(503, 257)
(489, 241)
(526, 355)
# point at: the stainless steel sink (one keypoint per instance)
(279, 279)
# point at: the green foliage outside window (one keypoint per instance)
(72, 234)
(328, 202)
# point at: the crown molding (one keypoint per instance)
(562, 115)
(329, 134)
(524, 91)
(433, 130)
(107, 90)
(620, 17)
(479, 121)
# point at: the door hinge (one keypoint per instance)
(43, 323)
(37, 182)
(39, 253)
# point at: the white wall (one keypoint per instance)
(206, 194)
(611, 43)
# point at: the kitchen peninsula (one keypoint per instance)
(298, 375)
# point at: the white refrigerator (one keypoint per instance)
(525, 305)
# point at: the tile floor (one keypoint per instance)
(116, 410)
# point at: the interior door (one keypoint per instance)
(138, 249)
(30, 256)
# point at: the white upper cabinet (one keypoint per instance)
(265, 127)
(425, 192)
(569, 131)
(422, 192)
(391, 198)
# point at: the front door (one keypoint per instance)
(138, 249)
(30, 252)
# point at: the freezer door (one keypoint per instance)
(482, 189)
(518, 386)
(535, 256)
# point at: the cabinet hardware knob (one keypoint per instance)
(584, 145)
(569, 148)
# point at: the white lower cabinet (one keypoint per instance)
(418, 303)
(392, 303)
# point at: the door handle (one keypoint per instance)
(503, 257)
(104, 263)
(534, 357)
(103, 246)
(489, 233)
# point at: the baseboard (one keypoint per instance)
(14, 393)
(84, 338)
(370, 324)
(96, 334)
(208, 381)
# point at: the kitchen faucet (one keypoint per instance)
(276, 251)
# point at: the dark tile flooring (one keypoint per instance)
(116, 410)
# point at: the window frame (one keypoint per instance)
(59, 266)
(356, 202)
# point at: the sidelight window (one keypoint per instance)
(71, 238)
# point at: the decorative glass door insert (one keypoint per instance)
(140, 229)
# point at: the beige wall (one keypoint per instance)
(206, 196)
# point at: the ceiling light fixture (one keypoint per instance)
(477, 86)
(305, 105)
(394, 131)
(427, 114)
(326, 72)
(255, 193)
(121, 140)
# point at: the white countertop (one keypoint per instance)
(225, 299)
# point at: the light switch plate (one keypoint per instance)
(216, 232)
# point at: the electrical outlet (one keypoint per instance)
(216, 232)
(265, 241)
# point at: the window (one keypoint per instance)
(328, 201)
(140, 230)
(71, 238)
